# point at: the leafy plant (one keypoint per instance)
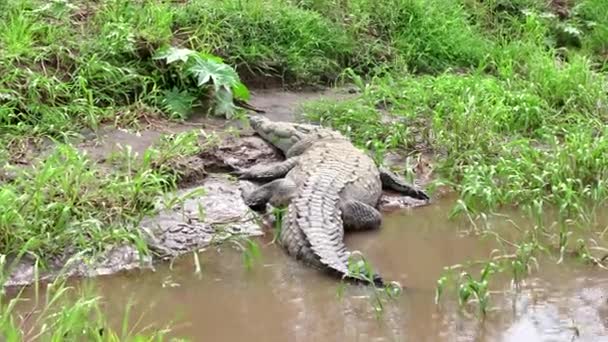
(205, 68)
(360, 268)
(178, 103)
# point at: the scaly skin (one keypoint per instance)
(328, 185)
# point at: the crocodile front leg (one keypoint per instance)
(393, 182)
(267, 172)
(358, 216)
(278, 193)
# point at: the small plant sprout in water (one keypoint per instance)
(251, 253)
(469, 290)
(360, 268)
(249, 248)
(279, 215)
(520, 263)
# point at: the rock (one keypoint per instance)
(185, 228)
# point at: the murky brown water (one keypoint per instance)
(280, 300)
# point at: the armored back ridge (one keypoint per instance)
(328, 185)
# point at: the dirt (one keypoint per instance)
(561, 8)
(181, 229)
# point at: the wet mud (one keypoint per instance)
(284, 105)
(218, 209)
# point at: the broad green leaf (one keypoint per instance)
(173, 54)
(240, 91)
(178, 103)
(209, 57)
(572, 30)
(221, 74)
(224, 105)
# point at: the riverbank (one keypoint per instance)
(507, 102)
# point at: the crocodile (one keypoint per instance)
(328, 185)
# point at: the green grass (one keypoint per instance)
(494, 132)
(66, 203)
(525, 129)
(59, 312)
(510, 97)
(68, 65)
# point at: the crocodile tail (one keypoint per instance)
(376, 280)
(317, 215)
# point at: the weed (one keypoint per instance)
(279, 215)
(470, 288)
(250, 249)
(66, 313)
(360, 268)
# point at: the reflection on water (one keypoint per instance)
(279, 300)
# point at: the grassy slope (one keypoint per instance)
(525, 127)
(511, 96)
(66, 66)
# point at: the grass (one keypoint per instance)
(511, 96)
(524, 129)
(58, 312)
(65, 203)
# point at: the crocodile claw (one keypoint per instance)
(240, 173)
(422, 195)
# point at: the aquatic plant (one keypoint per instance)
(58, 312)
(360, 268)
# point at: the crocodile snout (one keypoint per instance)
(256, 121)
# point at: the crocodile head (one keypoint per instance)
(283, 135)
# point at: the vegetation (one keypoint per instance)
(65, 203)
(60, 312)
(360, 268)
(511, 96)
(524, 127)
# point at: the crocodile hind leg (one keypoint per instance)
(269, 171)
(393, 182)
(278, 193)
(358, 216)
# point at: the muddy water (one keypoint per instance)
(280, 300)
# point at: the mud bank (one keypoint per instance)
(215, 211)
(176, 229)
